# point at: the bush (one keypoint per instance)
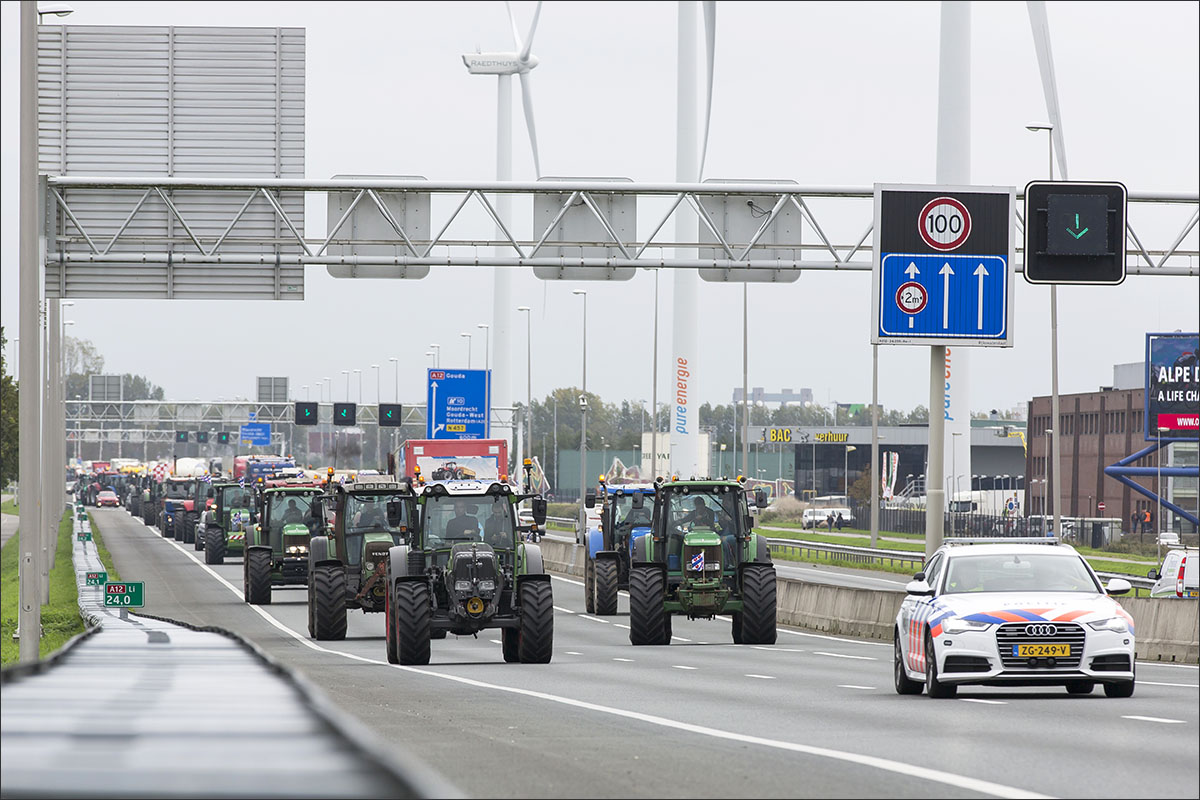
(785, 509)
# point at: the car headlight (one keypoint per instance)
(487, 586)
(462, 586)
(1114, 624)
(960, 625)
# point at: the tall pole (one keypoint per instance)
(583, 423)
(500, 385)
(876, 472)
(745, 373)
(29, 403)
(654, 390)
(1056, 442)
(528, 312)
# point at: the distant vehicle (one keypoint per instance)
(107, 498)
(816, 517)
(1179, 574)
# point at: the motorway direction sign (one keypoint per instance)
(458, 403)
(84, 536)
(943, 271)
(97, 578)
(1075, 232)
(345, 413)
(389, 415)
(306, 413)
(255, 433)
(125, 595)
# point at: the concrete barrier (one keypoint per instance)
(1165, 629)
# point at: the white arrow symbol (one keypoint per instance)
(980, 272)
(946, 272)
(433, 409)
(912, 271)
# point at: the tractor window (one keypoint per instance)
(290, 509)
(368, 512)
(178, 491)
(235, 497)
(624, 514)
(449, 520)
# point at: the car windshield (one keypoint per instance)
(1019, 572)
(450, 520)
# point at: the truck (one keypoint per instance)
(224, 524)
(467, 568)
(452, 459)
(253, 467)
(347, 561)
(277, 543)
(625, 514)
(701, 558)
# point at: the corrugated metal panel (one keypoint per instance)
(172, 102)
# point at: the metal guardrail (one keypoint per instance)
(850, 553)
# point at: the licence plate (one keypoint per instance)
(1041, 650)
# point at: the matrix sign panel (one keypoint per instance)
(943, 269)
(1172, 386)
(306, 413)
(389, 415)
(1075, 232)
(344, 413)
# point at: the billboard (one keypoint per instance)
(1172, 387)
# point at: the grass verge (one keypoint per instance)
(8, 507)
(60, 619)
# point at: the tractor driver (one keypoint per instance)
(701, 516)
(292, 515)
(496, 530)
(462, 525)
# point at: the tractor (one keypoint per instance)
(151, 501)
(277, 545)
(176, 503)
(467, 567)
(625, 514)
(190, 528)
(224, 524)
(346, 563)
(701, 558)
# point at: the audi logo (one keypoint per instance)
(1041, 630)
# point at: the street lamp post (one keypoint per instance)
(487, 344)
(359, 372)
(1158, 462)
(583, 421)
(437, 354)
(346, 372)
(396, 390)
(721, 460)
(846, 470)
(527, 311)
(376, 368)
(305, 388)
(467, 336)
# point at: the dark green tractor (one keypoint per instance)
(277, 544)
(701, 558)
(346, 565)
(224, 525)
(467, 568)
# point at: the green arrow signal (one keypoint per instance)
(1080, 233)
(343, 412)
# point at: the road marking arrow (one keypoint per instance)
(980, 273)
(946, 272)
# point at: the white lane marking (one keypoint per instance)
(760, 677)
(495, 641)
(981, 700)
(1153, 719)
(682, 666)
(885, 764)
(565, 610)
(626, 660)
(853, 686)
(843, 655)
(680, 638)
(777, 649)
(1182, 685)
(619, 625)
(566, 580)
(1162, 664)
(573, 653)
(818, 635)
(593, 619)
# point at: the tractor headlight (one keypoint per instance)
(487, 586)
(370, 565)
(1113, 624)
(297, 550)
(462, 586)
(960, 625)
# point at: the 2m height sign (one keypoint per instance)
(943, 271)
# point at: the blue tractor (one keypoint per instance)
(625, 514)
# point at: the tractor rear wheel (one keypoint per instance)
(198, 536)
(413, 617)
(535, 644)
(163, 527)
(509, 639)
(647, 617)
(327, 602)
(187, 531)
(214, 546)
(589, 585)
(758, 605)
(257, 571)
(389, 629)
(604, 583)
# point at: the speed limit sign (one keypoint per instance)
(944, 223)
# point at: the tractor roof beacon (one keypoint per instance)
(467, 567)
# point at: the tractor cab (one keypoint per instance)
(177, 501)
(223, 525)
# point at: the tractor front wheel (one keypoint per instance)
(413, 616)
(327, 602)
(604, 583)
(535, 644)
(647, 617)
(214, 546)
(589, 585)
(758, 605)
(257, 577)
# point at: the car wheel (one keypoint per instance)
(903, 683)
(933, 687)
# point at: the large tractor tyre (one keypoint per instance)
(162, 525)
(327, 603)
(904, 684)
(737, 628)
(187, 533)
(389, 627)
(934, 687)
(413, 615)
(589, 586)
(198, 534)
(214, 546)
(257, 570)
(509, 639)
(604, 583)
(647, 618)
(758, 605)
(535, 645)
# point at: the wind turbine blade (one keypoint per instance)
(710, 42)
(527, 102)
(1040, 24)
(537, 12)
(512, 21)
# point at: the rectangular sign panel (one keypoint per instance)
(255, 433)
(97, 578)
(125, 595)
(84, 536)
(1172, 387)
(458, 403)
(943, 271)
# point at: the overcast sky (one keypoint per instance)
(819, 93)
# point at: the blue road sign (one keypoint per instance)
(255, 433)
(458, 404)
(943, 296)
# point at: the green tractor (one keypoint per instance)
(346, 566)
(701, 558)
(467, 568)
(277, 544)
(224, 525)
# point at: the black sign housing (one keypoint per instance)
(181, 436)
(389, 415)
(344, 413)
(1075, 232)
(306, 413)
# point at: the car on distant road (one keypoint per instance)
(1021, 612)
(107, 498)
(1179, 574)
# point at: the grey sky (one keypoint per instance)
(823, 94)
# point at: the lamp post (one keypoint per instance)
(846, 469)
(396, 391)
(721, 460)
(487, 343)
(305, 388)
(437, 354)
(346, 372)
(467, 336)
(359, 372)
(1158, 462)
(527, 311)
(329, 387)
(583, 420)
(376, 368)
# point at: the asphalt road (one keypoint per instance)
(812, 716)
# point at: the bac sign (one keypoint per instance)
(125, 595)
(943, 265)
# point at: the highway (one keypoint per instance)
(812, 716)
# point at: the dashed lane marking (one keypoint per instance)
(1153, 719)
(853, 686)
(682, 666)
(981, 700)
(843, 655)
(760, 677)
(625, 660)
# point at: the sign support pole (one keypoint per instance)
(874, 474)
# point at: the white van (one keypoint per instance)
(819, 517)
(1179, 575)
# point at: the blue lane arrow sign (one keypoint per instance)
(943, 296)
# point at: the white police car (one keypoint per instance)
(1021, 612)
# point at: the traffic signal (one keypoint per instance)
(306, 413)
(344, 413)
(389, 415)
(1075, 232)
(224, 437)
(181, 437)
(202, 437)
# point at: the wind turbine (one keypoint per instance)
(504, 66)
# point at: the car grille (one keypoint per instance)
(712, 559)
(967, 664)
(1111, 663)
(1011, 634)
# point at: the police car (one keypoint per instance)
(1023, 612)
